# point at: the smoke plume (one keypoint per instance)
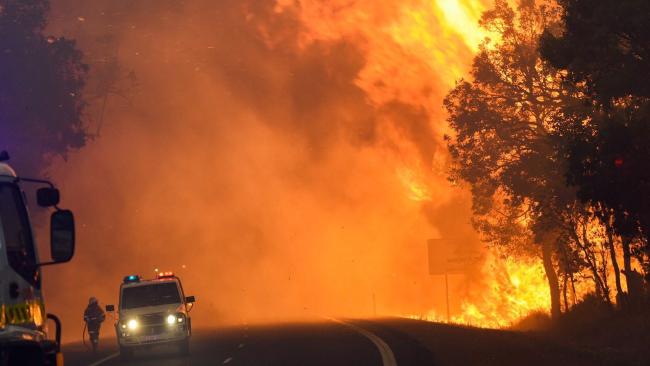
(284, 159)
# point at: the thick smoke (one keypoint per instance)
(252, 163)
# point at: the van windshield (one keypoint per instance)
(150, 295)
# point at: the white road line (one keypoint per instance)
(387, 356)
(227, 360)
(107, 358)
(241, 345)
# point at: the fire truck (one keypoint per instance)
(24, 336)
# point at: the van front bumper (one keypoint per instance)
(152, 335)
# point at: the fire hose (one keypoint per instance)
(83, 336)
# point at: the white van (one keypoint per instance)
(153, 312)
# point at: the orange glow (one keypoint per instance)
(462, 16)
(513, 290)
(165, 274)
(415, 187)
(36, 311)
(416, 49)
(416, 46)
(285, 161)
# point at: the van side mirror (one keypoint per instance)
(110, 307)
(190, 300)
(62, 236)
(47, 197)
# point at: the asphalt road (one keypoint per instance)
(387, 342)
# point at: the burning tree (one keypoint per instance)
(522, 126)
(40, 94)
(508, 145)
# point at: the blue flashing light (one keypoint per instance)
(131, 278)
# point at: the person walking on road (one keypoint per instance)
(94, 316)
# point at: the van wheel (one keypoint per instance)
(184, 347)
(126, 353)
(50, 353)
(22, 353)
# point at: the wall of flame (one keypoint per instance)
(285, 158)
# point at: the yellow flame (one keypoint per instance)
(416, 189)
(410, 46)
(462, 16)
(514, 289)
(415, 50)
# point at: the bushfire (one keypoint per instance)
(513, 290)
(307, 144)
(417, 46)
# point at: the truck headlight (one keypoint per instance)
(171, 319)
(132, 324)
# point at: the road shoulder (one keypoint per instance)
(460, 346)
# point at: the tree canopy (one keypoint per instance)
(605, 46)
(550, 168)
(41, 106)
(604, 43)
(505, 122)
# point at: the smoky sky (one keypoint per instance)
(247, 161)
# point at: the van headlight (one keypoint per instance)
(132, 324)
(175, 319)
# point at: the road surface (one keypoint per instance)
(387, 342)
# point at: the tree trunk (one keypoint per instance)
(565, 285)
(603, 276)
(551, 276)
(590, 260)
(573, 289)
(627, 266)
(617, 271)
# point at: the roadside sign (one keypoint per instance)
(446, 257)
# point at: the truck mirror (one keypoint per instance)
(62, 236)
(190, 299)
(47, 197)
(110, 307)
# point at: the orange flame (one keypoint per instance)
(514, 289)
(415, 186)
(411, 46)
(415, 51)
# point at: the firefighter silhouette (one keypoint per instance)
(94, 316)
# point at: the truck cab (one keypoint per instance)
(23, 318)
(153, 312)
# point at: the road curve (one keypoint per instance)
(324, 343)
(380, 342)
